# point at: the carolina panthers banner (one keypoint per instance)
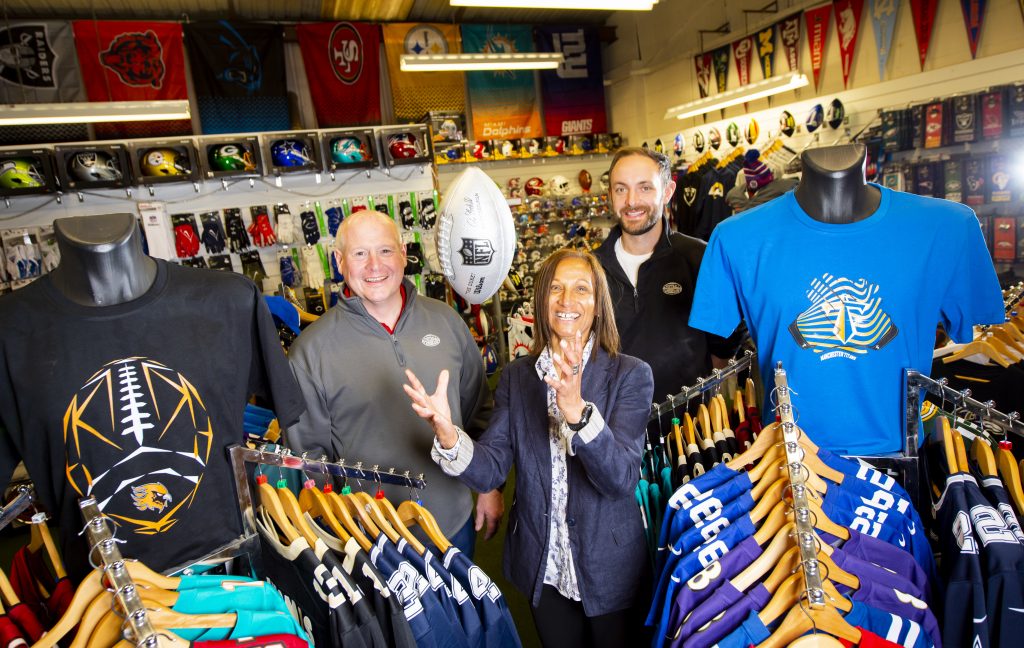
(133, 61)
(342, 62)
(504, 103)
(38, 63)
(573, 94)
(416, 93)
(883, 21)
(238, 76)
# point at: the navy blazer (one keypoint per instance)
(605, 528)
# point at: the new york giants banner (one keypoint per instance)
(720, 59)
(38, 63)
(848, 24)
(923, 14)
(817, 31)
(789, 33)
(416, 93)
(741, 50)
(238, 75)
(702, 64)
(342, 62)
(974, 12)
(133, 61)
(573, 94)
(883, 21)
(766, 51)
(503, 103)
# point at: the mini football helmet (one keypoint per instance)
(231, 157)
(559, 185)
(159, 162)
(534, 187)
(346, 150)
(93, 166)
(289, 153)
(19, 173)
(402, 146)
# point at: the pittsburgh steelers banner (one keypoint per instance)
(817, 31)
(789, 33)
(238, 76)
(741, 50)
(923, 14)
(504, 103)
(133, 61)
(720, 60)
(702, 64)
(342, 62)
(38, 63)
(848, 24)
(416, 93)
(974, 12)
(572, 94)
(766, 51)
(883, 21)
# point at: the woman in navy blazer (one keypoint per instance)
(572, 417)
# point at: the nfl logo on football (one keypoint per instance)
(476, 252)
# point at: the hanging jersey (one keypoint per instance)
(884, 555)
(720, 474)
(10, 634)
(455, 602)
(193, 581)
(253, 624)
(265, 641)
(718, 616)
(996, 493)
(879, 575)
(499, 628)
(367, 623)
(26, 620)
(868, 639)
(217, 600)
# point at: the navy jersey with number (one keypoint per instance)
(499, 628)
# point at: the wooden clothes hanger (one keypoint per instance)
(790, 563)
(313, 501)
(982, 454)
(41, 538)
(411, 512)
(980, 346)
(343, 513)
(1010, 473)
(789, 594)
(800, 620)
(10, 597)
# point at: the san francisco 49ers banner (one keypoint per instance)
(573, 94)
(133, 61)
(342, 62)
(416, 93)
(504, 103)
(238, 75)
(848, 24)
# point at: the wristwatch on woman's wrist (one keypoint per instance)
(588, 409)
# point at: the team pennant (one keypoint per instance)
(741, 50)
(766, 51)
(817, 30)
(974, 12)
(702, 62)
(789, 32)
(720, 60)
(923, 14)
(848, 24)
(883, 21)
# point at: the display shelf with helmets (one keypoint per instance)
(26, 171)
(349, 149)
(92, 166)
(225, 156)
(292, 152)
(164, 160)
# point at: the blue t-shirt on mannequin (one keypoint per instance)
(846, 306)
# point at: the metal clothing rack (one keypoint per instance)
(101, 540)
(916, 382)
(26, 496)
(718, 376)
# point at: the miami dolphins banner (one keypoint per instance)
(765, 40)
(238, 76)
(702, 64)
(883, 21)
(789, 33)
(342, 62)
(720, 61)
(848, 25)
(923, 14)
(504, 103)
(974, 12)
(817, 32)
(415, 93)
(133, 61)
(572, 94)
(38, 62)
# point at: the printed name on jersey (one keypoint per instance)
(845, 319)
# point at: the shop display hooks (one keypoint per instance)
(915, 382)
(26, 496)
(282, 457)
(703, 385)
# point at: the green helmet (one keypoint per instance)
(19, 173)
(231, 157)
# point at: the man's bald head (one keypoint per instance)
(363, 217)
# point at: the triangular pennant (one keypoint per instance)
(848, 24)
(702, 62)
(766, 51)
(923, 14)
(789, 32)
(720, 60)
(742, 50)
(817, 30)
(974, 12)
(883, 20)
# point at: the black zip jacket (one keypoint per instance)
(653, 319)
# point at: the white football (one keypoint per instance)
(476, 236)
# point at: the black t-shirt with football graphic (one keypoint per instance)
(136, 405)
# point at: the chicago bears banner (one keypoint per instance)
(848, 24)
(573, 94)
(817, 31)
(789, 32)
(38, 63)
(923, 14)
(883, 21)
(504, 103)
(133, 61)
(238, 76)
(342, 62)
(974, 12)
(416, 93)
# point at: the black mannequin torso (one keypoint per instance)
(101, 260)
(832, 186)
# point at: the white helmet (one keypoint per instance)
(559, 185)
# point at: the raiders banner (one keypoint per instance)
(923, 14)
(742, 50)
(720, 61)
(766, 51)
(702, 63)
(572, 94)
(974, 12)
(964, 109)
(238, 76)
(789, 33)
(883, 21)
(38, 63)
(414, 94)
(133, 61)
(848, 24)
(817, 31)
(504, 103)
(342, 62)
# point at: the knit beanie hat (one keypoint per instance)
(755, 172)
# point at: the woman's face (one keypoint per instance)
(571, 300)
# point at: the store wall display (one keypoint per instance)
(572, 94)
(231, 156)
(26, 171)
(92, 166)
(405, 144)
(415, 93)
(161, 161)
(349, 149)
(342, 62)
(503, 103)
(292, 152)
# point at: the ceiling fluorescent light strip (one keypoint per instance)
(750, 92)
(476, 62)
(93, 111)
(605, 5)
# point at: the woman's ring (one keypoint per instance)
(575, 369)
